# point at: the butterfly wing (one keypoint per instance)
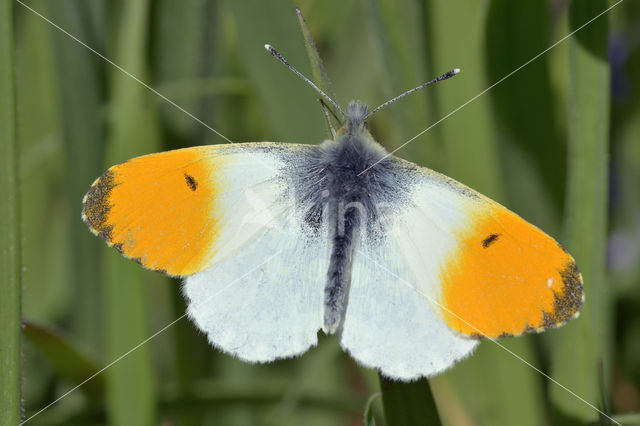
(451, 266)
(221, 216)
(266, 301)
(390, 324)
(179, 211)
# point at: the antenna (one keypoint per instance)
(279, 57)
(422, 86)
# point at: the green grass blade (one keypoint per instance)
(632, 419)
(470, 130)
(494, 387)
(179, 55)
(133, 131)
(317, 67)
(69, 361)
(470, 142)
(256, 391)
(10, 302)
(586, 219)
(46, 212)
(219, 396)
(368, 418)
(408, 404)
(45, 237)
(78, 76)
(289, 105)
(398, 31)
(525, 103)
(208, 56)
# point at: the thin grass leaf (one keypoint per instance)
(287, 103)
(470, 130)
(320, 78)
(368, 418)
(317, 67)
(525, 103)
(470, 141)
(494, 387)
(192, 88)
(78, 75)
(586, 219)
(632, 419)
(45, 237)
(69, 361)
(398, 32)
(192, 354)
(179, 55)
(207, 55)
(10, 302)
(207, 394)
(311, 376)
(226, 105)
(408, 403)
(133, 131)
(44, 216)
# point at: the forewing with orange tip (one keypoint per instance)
(451, 266)
(507, 277)
(497, 274)
(174, 211)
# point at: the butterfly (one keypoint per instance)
(274, 242)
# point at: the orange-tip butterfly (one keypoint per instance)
(275, 241)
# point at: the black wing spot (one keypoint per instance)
(191, 182)
(490, 240)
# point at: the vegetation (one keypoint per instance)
(556, 141)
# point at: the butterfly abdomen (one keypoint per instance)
(351, 201)
(339, 273)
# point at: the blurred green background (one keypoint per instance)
(558, 142)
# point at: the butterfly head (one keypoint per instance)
(355, 119)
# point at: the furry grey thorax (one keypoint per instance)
(347, 201)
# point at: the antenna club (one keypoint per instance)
(268, 47)
(456, 70)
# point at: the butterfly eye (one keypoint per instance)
(366, 126)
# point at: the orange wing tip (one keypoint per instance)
(160, 210)
(95, 211)
(568, 303)
(566, 306)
